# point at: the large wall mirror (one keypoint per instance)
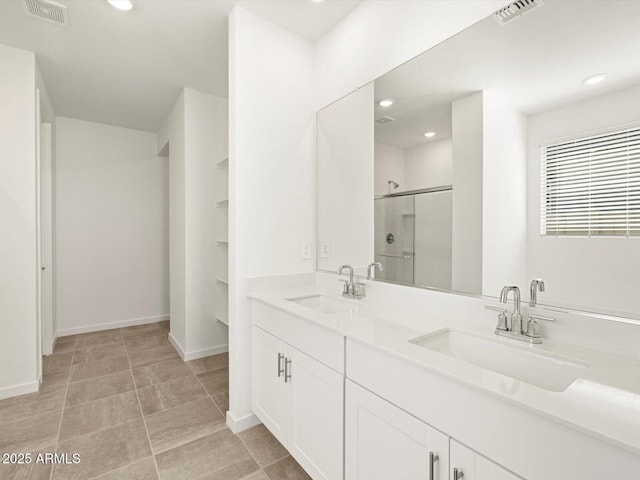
(508, 153)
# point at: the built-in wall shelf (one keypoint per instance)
(221, 223)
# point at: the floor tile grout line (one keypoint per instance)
(239, 437)
(224, 414)
(100, 431)
(121, 467)
(64, 402)
(101, 398)
(177, 406)
(100, 376)
(144, 421)
(255, 459)
(279, 460)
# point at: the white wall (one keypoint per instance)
(194, 136)
(272, 174)
(504, 202)
(112, 227)
(379, 36)
(388, 165)
(345, 160)
(429, 165)
(466, 243)
(18, 294)
(596, 273)
(276, 80)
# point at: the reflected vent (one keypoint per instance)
(47, 10)
(384, 120)
(515, 10)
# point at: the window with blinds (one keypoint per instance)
(591, 186)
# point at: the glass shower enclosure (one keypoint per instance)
(413, 237)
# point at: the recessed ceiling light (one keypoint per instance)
(430, 134)
(387, 102)
(594, 79)
(125, 5)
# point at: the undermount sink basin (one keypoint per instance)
(544, 369)
(324, 304)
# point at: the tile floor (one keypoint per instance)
(132, 409)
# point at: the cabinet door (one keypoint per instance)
(269, 400)
(384, 442)
(476, 467)
(316, 416)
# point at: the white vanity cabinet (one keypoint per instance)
(470, 465)
(300, 401)
(383, 442)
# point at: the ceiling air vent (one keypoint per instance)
(384, 120)
(515, 10)
(47, 10)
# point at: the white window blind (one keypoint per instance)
(591, 186)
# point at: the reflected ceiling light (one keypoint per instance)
(430, 134)
(317, 1)
(387, 102)
(125, 5)
(594, 79)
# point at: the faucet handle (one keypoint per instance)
(502, 318)
(358, 290)
(533, 328)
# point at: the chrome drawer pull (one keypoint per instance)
(433, 458)
(280, 369)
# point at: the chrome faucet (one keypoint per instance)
(536, 284)
(351, 289)
(371, 269)
(516, 329)
(516, 316)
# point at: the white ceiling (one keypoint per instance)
(128, 69)
(537, 62)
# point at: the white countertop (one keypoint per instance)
(603, 403)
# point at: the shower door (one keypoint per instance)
(433, 230)
(394, 238)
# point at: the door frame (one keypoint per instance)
(44, 229)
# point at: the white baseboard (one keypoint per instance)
(98, 327)
(177, 346)
(206, 352)
(53, 343)
(194, 355)
(238, 424)
(21, 389)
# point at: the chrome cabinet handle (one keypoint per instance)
(287, 370)
(433, 458)
(280, 369)
(457, 474)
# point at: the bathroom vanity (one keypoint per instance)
(487, 164)
(354, 395)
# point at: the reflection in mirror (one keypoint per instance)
(508, 153)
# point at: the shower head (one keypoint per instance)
(395, 184)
